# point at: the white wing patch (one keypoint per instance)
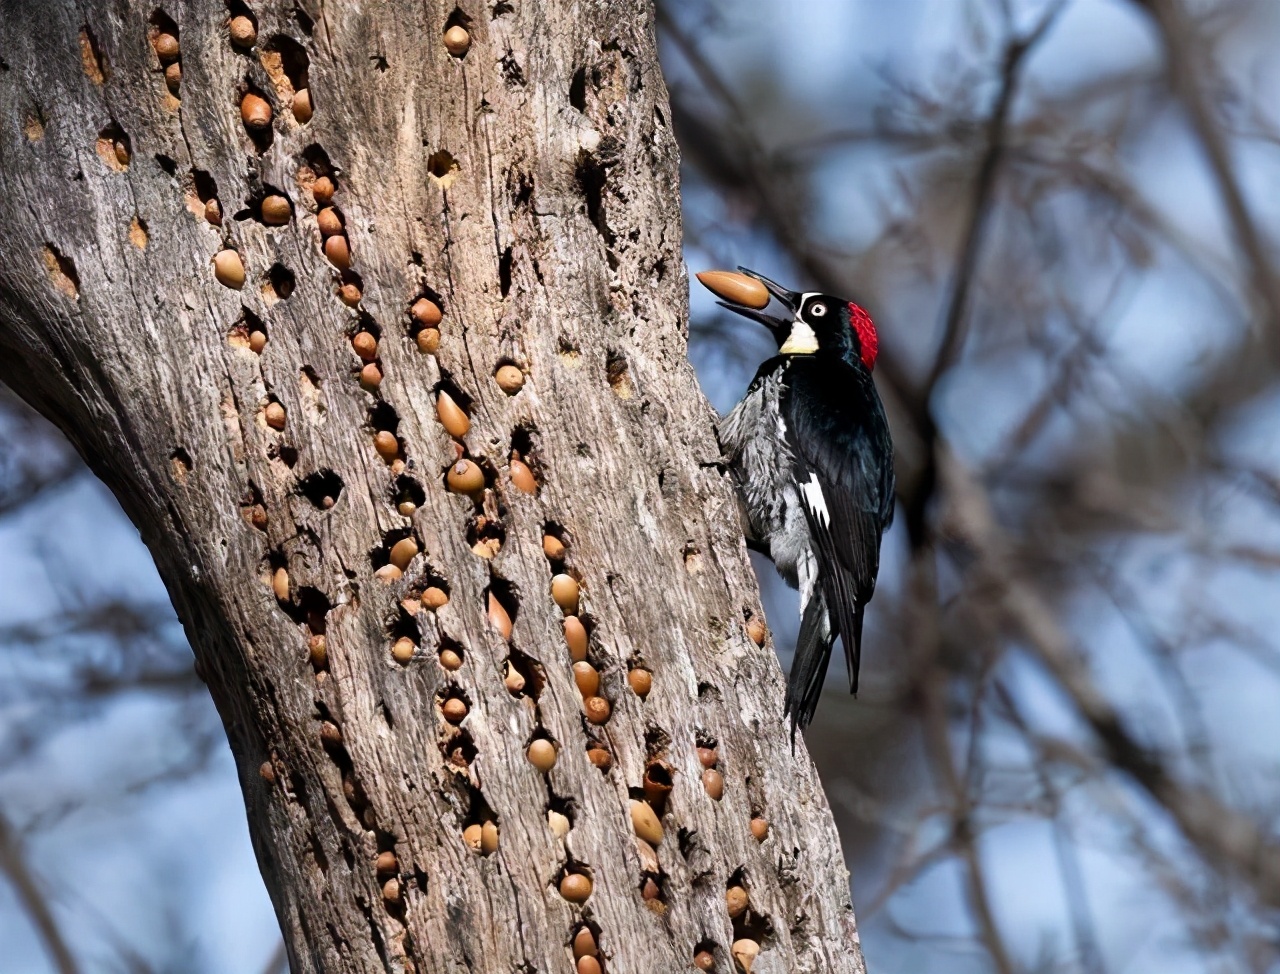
(813, 499)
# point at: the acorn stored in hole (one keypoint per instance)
(735, 288)
(597, 709)
(564, 591)
(584, 943)
(275, 210)
(228, 269)
(745, 952)
(213, 213)
(452, 417)
(735, 901)
(704, 960)
(499, 618)
(386, 864)
(586, 678)
(388, 574)
(349, 294)
(428, 340)
(575, 635)
(509, 378)
(472, 836)
(756, 630)
(274, 415)
(268, 772)
(450, 659)
(318, 651)
(759, 828)
(255, 112)
(329, 221)
(513, 680)
(522, 477)
(243, 32)
(403, 552)
(173, 77)
(600, 757)
(454, 709)
(257, 341)
(426, 312)
(402, 650)
(391, 890)
(465, 477)
(330, 733)
(406, 508)
(575, 887)
(370, 376)
(708, 757)
(322, 190)
(645, 822)
(589, 965)
(166, 47)
(433, 597)
(641, 681)
(338, 252)
(457, 41)
(558, 823)
(301, 106)
(280, 584)
(489, 838)
(713, 782)
(541, 754)
(552, 547)
(365, 345)
(384, 441)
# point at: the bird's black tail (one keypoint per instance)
(809, 665)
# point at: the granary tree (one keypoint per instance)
(372, 316)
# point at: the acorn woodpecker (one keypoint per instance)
(810, 451)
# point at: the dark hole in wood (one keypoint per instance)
(322, 488)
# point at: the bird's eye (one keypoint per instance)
(818, 310)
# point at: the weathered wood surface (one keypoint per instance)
(554, 245)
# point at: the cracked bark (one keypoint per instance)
(529, 188)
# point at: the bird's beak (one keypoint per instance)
(790, 299)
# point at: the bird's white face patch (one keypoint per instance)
(801, 341)
(813, 499)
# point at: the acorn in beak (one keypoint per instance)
(747, 293)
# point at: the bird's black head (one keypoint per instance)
(818, 324)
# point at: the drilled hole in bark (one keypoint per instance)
(619, 376)
(504, 271)
(599, 755)
(277, 285)
(398, 548)
(167, 164)
(383, 421)
(322, 488)
(512, 72)
(459, 750)
(656, 742)
(501, 605)
(304, 21)
(248, 333)
(705, 949)
(95, 65)
(62, 272)
(286, 454)
(252, 508)
(485, 535)
(591, 176)
(114, 147)
(138, 233)
(180, 464)
(708, 692)
(525, 677)
(286, 63)
(657, 784)
(578, 89)
(309, 607)
(164, 37)
(200, 192)
(443, 168)
(451, 655)
(407, 495)
(480, 829)
(269, 206)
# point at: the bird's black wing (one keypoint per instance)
(844, 474)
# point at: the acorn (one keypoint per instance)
(450, 659)
(558, 823)
(499, 617)
(756, 630)
(600, 757)
(391, 890)
(384, 441)
(275, 210)
(258, 517)
(370, 376)
(255, 112)
(243, 32)
(472, 835)
(650, 891)
(513, 680)
(708, 757)
(735, 901)
(645, 823)
(735, 288)
(267, 771)
(274, 415)
(406, 507)
(402, 651)
(322, 190)
(301, 106)
(329, 221)
(489, 838)
(433, 597)
(575, 635)
(456, 41)
(541, 754)
(464, 477)
(338, 252)
(386, 864)
(388, 574)
(745, 952)
(330, 733)
(584, 943)
(564, 591)
(426, 312)
(589, 965)
(641, 681)
(318, 652)
(452, 418)
(759, 828)
(454, 710)
(552, 547)
(166, 47)
(121, 153)
(280, 584)
(403, 552)
(704, 960)
(522, 477)
(575, 887)
(597, 709)
(648, 857)
(173, 77)
(587, 679)
(713, 782)
(428, 340)
(509, 378)
(257, 341)
(213, 212)
(349, 294)
(228, 269)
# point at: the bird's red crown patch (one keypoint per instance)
(868, 340)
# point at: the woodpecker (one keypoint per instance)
(810, 451)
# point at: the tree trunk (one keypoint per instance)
(527, 187)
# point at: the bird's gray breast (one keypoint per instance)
(754, 439)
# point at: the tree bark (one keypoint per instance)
(528, 187)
